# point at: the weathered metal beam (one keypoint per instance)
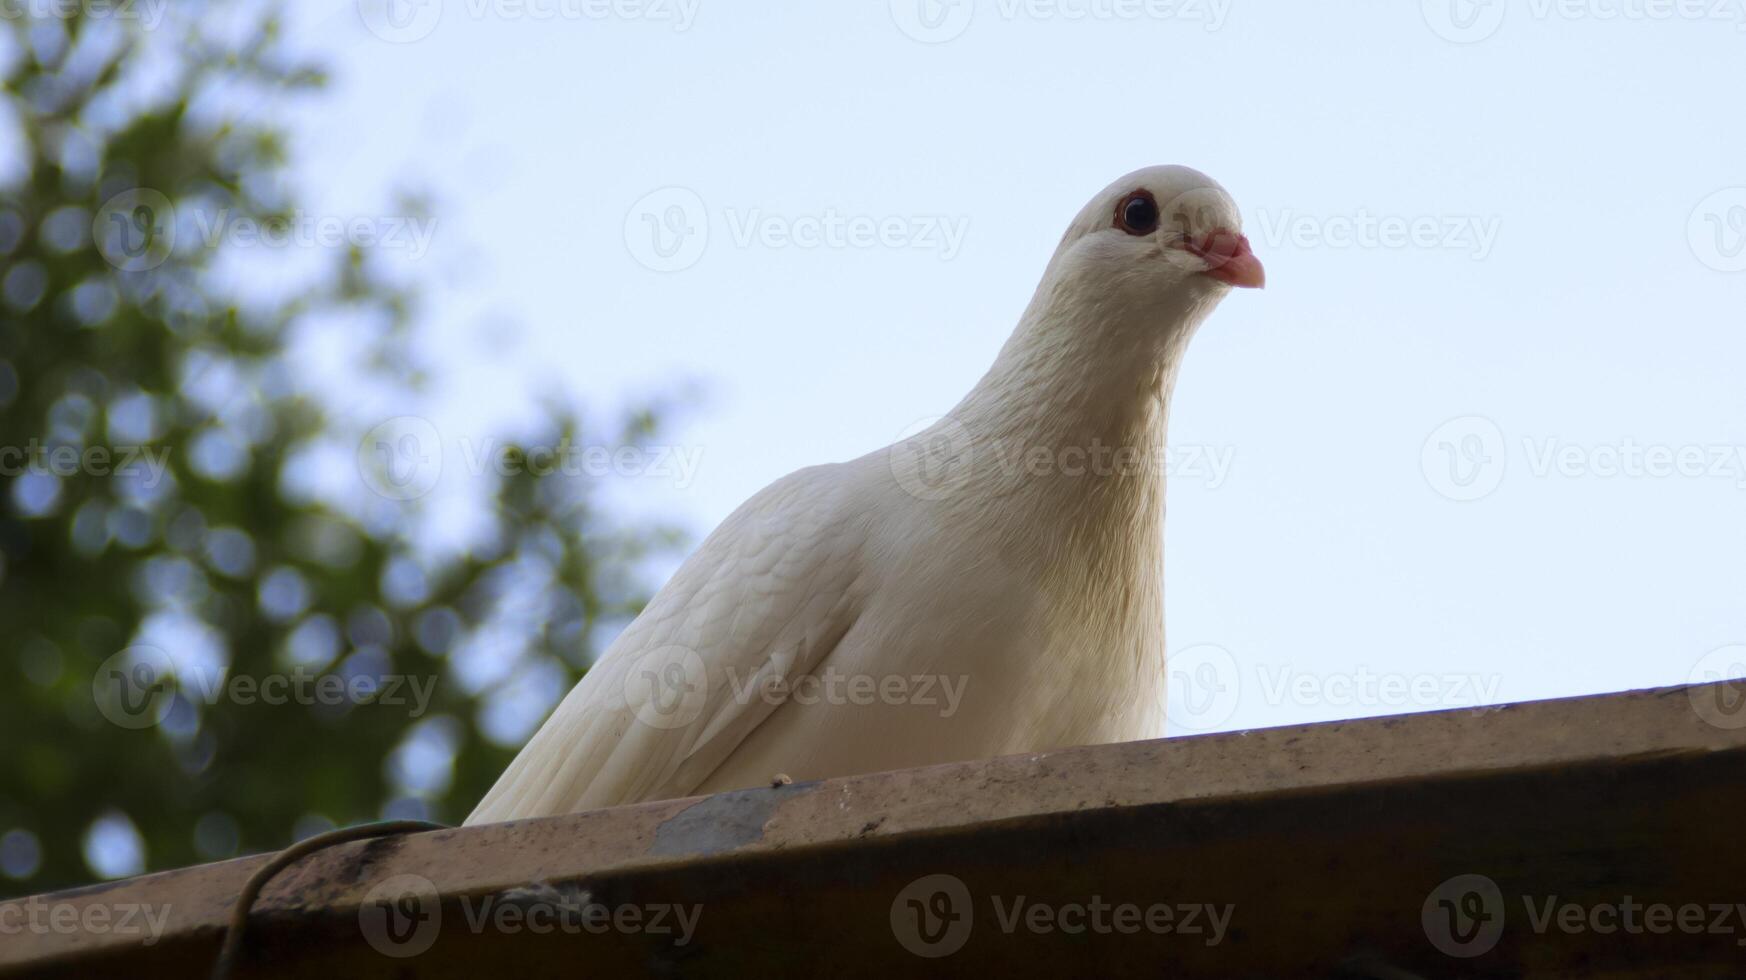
(1586, 837)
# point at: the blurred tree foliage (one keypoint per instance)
(228, 562)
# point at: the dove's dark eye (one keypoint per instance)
(1137, 214)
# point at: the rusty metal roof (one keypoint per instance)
(1558, 839)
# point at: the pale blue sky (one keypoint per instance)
(1534, 224)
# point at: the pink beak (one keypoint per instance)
(1229, 259)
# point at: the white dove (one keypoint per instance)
(992, 585)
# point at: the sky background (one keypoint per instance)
(1482, 438)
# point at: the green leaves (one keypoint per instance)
(316, 662)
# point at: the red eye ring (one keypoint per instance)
(1137, 213)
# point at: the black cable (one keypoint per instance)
(239, 917)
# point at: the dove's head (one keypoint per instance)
(1156, 235)
(1139, 269)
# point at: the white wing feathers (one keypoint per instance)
(768, 595)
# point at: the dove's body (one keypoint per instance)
(993, 585)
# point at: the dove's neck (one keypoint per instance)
(1066, 436)
(1086, 375)
(1065, 489)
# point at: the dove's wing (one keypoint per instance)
(768, 595)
